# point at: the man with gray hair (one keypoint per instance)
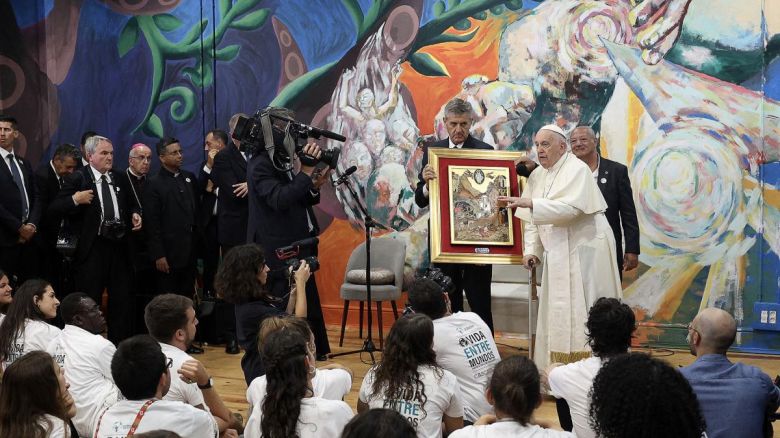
(473, 279)
(734, 398)
(564, 225)
(101, 215)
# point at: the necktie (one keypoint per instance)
(18, 180)
(108, 203)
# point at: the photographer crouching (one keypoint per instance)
(281, 199)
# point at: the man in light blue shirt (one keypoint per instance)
(734, 398)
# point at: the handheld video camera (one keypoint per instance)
(274, 130)
(290, 253)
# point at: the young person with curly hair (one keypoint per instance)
(290, 408)
(241, 280)
(24, 328)
(609, 327)
(514, 392)
(635, 395)
(409, 381)
(34, 399)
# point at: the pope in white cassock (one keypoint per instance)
(564, 226)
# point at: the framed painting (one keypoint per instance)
(467, 224)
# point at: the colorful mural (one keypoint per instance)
(684, 92)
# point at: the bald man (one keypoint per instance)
(565, 230)
(734, 398)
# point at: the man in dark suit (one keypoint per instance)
(49, 178)
(19, 210)
(612, 179)
(102, 215)
(280, 213)
(473, 279)
(170, 207)
(133, 181)
(208, 214)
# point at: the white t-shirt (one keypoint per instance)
(331, 384)
(188, 421)
(508, 429)
(319, 418)
(573, 382)
(86, 359)
(55, 427)
(465, 347)
(35, 335)
(443, 398)
(180, 391)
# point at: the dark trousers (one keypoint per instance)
(106, 266)
(475, 280)
(180, 281)
(209, 253)
(20, 261)
(227, 313)
(279, 287)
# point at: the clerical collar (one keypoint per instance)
(163, 169)
(130, 170)
(559, 163)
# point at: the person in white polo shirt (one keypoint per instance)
(24, 328)
(171, 320)
(85, 356)
(142, 373)
(463, 344)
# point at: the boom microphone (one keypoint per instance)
(344, 176)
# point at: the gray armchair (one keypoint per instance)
(386, 253)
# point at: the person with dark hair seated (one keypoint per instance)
(34, 399)
(609, 328)
(463, 344)
(241, 280)
(290, 407)
(408, 380)
(514, 392)
(158, 434)
(85, 356)
(5, 294)
(332, 381)
(24, 329)
(378, 423)
(171, 320)
(735, 398)
(635, 395)
(142, 373)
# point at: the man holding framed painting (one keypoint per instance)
(565, 231)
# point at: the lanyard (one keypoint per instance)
(137, 420)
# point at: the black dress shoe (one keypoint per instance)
(193, 349)
(322, 357)
(232, 347)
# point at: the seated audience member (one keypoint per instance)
(34, 399)
(241, 280)
(463, 344)
(378, 423)
(158, 434)
(409, 381)
(142, 373)
(24, 329)
(85, 356)
(290, 407)
(635, 395)
(5, 294)
(170, 319)
(332, 381)
(609, 328)
(734, 398)
(514, 392)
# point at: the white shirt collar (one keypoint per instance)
(5, 154)
(98, 174)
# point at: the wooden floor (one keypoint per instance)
(229, 379)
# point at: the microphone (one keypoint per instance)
(310, 241)
(344, 176)
(317, 133)
(294, 248)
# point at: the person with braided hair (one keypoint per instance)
(514, 392)
(635, 395)
(289, 408)
(409, 381)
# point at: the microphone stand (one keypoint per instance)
(368, 223)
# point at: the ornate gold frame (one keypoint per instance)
(438, 255)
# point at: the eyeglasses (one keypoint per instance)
(149, 159)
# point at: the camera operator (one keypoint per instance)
(280, 212)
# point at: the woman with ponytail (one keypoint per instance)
(408, 381)
(290, 408)
(514, 392)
